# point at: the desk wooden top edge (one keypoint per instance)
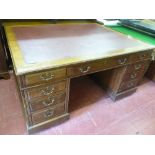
(21, 67)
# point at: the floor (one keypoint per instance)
(91, 111)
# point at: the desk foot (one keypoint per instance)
(5, 75)
(118, 96)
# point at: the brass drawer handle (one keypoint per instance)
(142, 56)
(138, 66)
(131, 84)
(133, 76)
(122, 61)
(85, 70)
(47, 76)
(47, 91)
(49, 113)
(49, 102)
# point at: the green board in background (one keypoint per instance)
(135, 34)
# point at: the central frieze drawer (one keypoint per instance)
(45, 102)
(85, 68)
(45, 90)
(117, 61)
(42, 77)
(50, 113)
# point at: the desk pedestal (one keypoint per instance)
(122, 81)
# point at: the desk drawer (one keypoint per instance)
(133, 75)
(50, 113)
(128, 85)
(42, 77)
(138, 66)
(140, 56)
(117, 61)
(135, 71)
(85, 68)
(45, 90)
(45, 102)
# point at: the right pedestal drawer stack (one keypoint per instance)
(123, 80)
(133, 75)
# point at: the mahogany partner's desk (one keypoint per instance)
(47, 56)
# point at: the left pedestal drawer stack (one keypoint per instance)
(45, 97)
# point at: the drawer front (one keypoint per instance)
(45, 90)
(85, 68)
(138, 66)
(42, 77)
(133, 75)
(117, 61)
(48, 114)
(127, 85)
(47, 102)
(135, 71)
(140, 56)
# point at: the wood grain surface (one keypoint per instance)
(36, 47)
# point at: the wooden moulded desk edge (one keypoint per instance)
(21, 67)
